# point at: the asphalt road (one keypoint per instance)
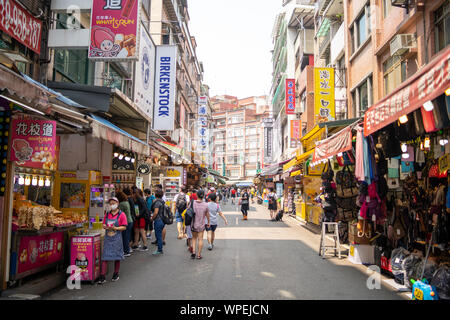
(254, 259)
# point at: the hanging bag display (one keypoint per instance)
(440, 113)
(428, 120)
(346, 183)
(418, 122)
(327, 173)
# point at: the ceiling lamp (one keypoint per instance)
(21, 180)
(427, 143)
(34, 181)
(127, 158)
(404, 147)
(116, 154)
(27, 180)
(447, 92)
(47, 182)
(428, 106)
(403, 119)
(443, 141)
(120, 156)
(41, 182)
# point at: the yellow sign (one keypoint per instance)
(352, 251)
(316, 170)
(95, 177)
(324, 104)
(444, 163)
(173, 173)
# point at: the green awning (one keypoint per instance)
(324, 28)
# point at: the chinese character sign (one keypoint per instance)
(295, 133)
(114, 28)
(290, 96)
(33, 143)
(38, 251)
(324, 100)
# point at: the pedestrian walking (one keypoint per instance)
(114, 222)
(129, 195)
(252, 194)
(233, 195)
(198, 226)
(181, 201)
(149, 197)
(159, 186)
(245, 204)
(124, 206)
(157, 207)
(214, 211)
(273, 207)
(142, 217)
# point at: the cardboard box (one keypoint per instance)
(361, 254)
(353, 237)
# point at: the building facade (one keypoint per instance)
(238, 145)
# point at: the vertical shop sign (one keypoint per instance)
(21, 25)
(144, 84)
(324, 99)
(33, 143)
(165, 88)
(5, 120)
(85, 255)
(290, 96)
(295, 133)
(114, 29)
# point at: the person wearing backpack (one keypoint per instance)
(273, 207)
(157, 209)
(198, 225)
(244, 202)
(214, 211)
(181, 201)
(114, 223)
(142, 218)
(149, 197)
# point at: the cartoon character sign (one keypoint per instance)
(102, 43)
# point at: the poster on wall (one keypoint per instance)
(144, 84)
(165, 88)
(114, 29)
(324, 99)
(290, 96)
(33, 143)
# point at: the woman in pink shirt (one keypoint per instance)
(198, 226)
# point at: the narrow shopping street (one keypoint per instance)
(253, 260)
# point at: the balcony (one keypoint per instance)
(323, 4)
(324, 46)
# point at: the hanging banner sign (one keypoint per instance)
(202, 111)
(18, 23)
(202, 132)
(165, 88)
(33, 143)
(114, 29)
(202, 100)
(295, 133)
(202, 121)
(324, 100)
(426, 85)
(290, 96)
(145, 74)
(340, 142)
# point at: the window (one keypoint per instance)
(116, 80)
(303, 102)
(73, 65)
(360, 30)
(235, 173)
(250, 131)
(394, 73)
(340, 80)
(387, 6)
(362, 97)
(250, 173)
(73, 21)
(442, 26)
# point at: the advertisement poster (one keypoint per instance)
(18, 23)
(33, 143)
(290, 96)
(38, 251)
(165, 88)
(279, 189)
(114, 29)
(85, 256)
(145, 74)
(73, 195)
(324, 100)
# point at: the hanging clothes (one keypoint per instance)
(359, 156)
(367, 162)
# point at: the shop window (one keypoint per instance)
(115, 79)
(394, 73)
(442, 26)
(73, 65)
(73, 21)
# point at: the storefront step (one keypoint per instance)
(33, 290)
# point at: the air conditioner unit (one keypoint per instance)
(402, 43)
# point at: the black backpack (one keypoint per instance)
(279, 216)
(190, 215)
(165, 213)
(181, 202)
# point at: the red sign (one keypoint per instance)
(38, 251)
(290, 96)
(21, 25)
(85, 255)
(114, 28)
(295, 133)
(33, 143)
(426, 85)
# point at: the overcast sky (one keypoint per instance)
(234, 43)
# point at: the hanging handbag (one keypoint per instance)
(349, 158)
(428, 120)
(327, 173)
(389, 142)
(346, 183)
(418, 122)
(440, 113)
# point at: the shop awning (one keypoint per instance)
(339, 142)
(176, 150)
(296, 173)
(271, 171)
(290, 164)
(427, 84)
(217, 174)
(304, 156)
(105, 130)
(244, 184)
